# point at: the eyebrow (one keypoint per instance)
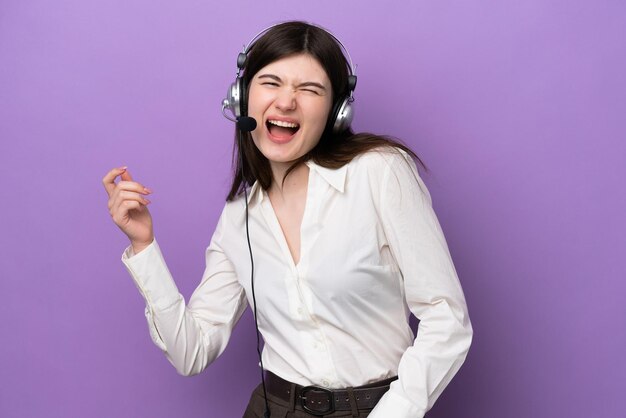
(305, 84)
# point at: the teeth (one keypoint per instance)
(283, 124)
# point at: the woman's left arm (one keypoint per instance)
(432, 289)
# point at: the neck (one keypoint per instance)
(296, 180)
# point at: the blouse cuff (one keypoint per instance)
(151, 275)
(397, 406)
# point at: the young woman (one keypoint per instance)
(333, 246)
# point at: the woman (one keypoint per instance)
(336, 243)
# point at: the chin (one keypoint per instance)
(279, 153)
(280, 156)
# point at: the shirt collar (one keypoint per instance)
(336, 177)
(255, 194)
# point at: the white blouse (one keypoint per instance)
(372, 251)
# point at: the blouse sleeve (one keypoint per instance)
(432, 290)
(194, 335)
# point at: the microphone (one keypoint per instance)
(246, 123)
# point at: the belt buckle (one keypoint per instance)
(331, 400)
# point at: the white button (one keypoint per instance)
(325, 382)
(300, 311)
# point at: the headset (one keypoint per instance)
(236, 100)
(339, 119)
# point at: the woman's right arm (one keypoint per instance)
(194, 335)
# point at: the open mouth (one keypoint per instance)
(282, 130)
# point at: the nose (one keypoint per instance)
(286, 99)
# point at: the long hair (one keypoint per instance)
(333, 150)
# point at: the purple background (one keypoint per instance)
(517, 107)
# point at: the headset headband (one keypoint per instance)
(242, 57)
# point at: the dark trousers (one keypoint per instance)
(285, 409)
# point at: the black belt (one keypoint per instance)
(321, 401)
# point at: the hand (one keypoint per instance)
(128, 207)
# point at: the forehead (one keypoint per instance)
(298, 68)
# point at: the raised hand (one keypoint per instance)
(128, 207)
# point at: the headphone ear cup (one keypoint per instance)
(330, 126)
(233, 98)
(342, 115)
(243, 97)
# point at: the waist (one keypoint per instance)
(322, 401)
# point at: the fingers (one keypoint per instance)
(126, 200)
(109, 179)
(126, 176)
(125, 195)
(126, 182)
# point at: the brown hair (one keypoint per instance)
(333, 150)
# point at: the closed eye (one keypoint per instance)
(320, 92)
